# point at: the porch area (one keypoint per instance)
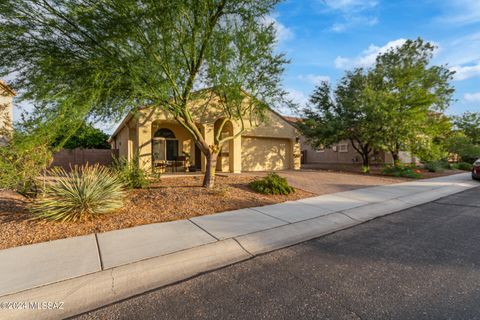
(167, 148)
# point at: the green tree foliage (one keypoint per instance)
(22, 162)
(86, 136)
(469, 124)
(101, 59)
(462, 146)
(347, 113)
(411, 94)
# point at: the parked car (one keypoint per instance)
(476, 170)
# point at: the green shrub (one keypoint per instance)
(83, 192)
(21, 165)
(272, 184)
(132, 175)
(437, 166)
(465, 166)
(399, 170)
(454, 166)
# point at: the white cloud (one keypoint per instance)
(298, 97)
(466, 72)
(283, 33)
(350, 5)
(368, 56)
(353, 13)
(461, 12)
(314, 79)
(354, 21)
(472, 97)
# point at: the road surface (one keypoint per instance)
(420, 263)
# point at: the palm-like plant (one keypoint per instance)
(84, 191)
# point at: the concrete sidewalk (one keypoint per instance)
(90, 271)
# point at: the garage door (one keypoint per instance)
(265, 154)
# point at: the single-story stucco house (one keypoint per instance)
(6, 111)
(343, 152)
(157, 138)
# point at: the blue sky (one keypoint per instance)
(323, 38)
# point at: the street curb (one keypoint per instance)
(95, 290)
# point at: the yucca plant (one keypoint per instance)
(85, 191)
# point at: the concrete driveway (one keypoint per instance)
(322, 182)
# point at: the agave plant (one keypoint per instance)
(82, 192)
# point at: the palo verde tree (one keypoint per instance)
(411, 94)
(344, 114)
(79, 59)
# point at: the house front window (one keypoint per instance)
(343, 147)
(164, 145)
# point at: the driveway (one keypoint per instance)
(322, 182)
(420, 263)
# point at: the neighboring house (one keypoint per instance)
(158, 139)
(343, 153)
(6, 112)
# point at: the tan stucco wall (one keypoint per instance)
(6, 116)
(332, 155)
(121, 142)
(148, 120)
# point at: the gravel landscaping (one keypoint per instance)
(170, 199)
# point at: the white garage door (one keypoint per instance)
(265, 154)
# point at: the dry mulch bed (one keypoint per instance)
(168, 200)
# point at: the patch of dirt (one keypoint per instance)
(168, 200)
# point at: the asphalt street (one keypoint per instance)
(420, 263)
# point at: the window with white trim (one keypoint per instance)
(343, 147)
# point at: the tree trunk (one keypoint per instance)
(365, 163)
(209, 178)
(395, 157)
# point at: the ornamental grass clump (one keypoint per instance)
(85, 191)
(272, 184)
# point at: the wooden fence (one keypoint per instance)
(77, 157)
